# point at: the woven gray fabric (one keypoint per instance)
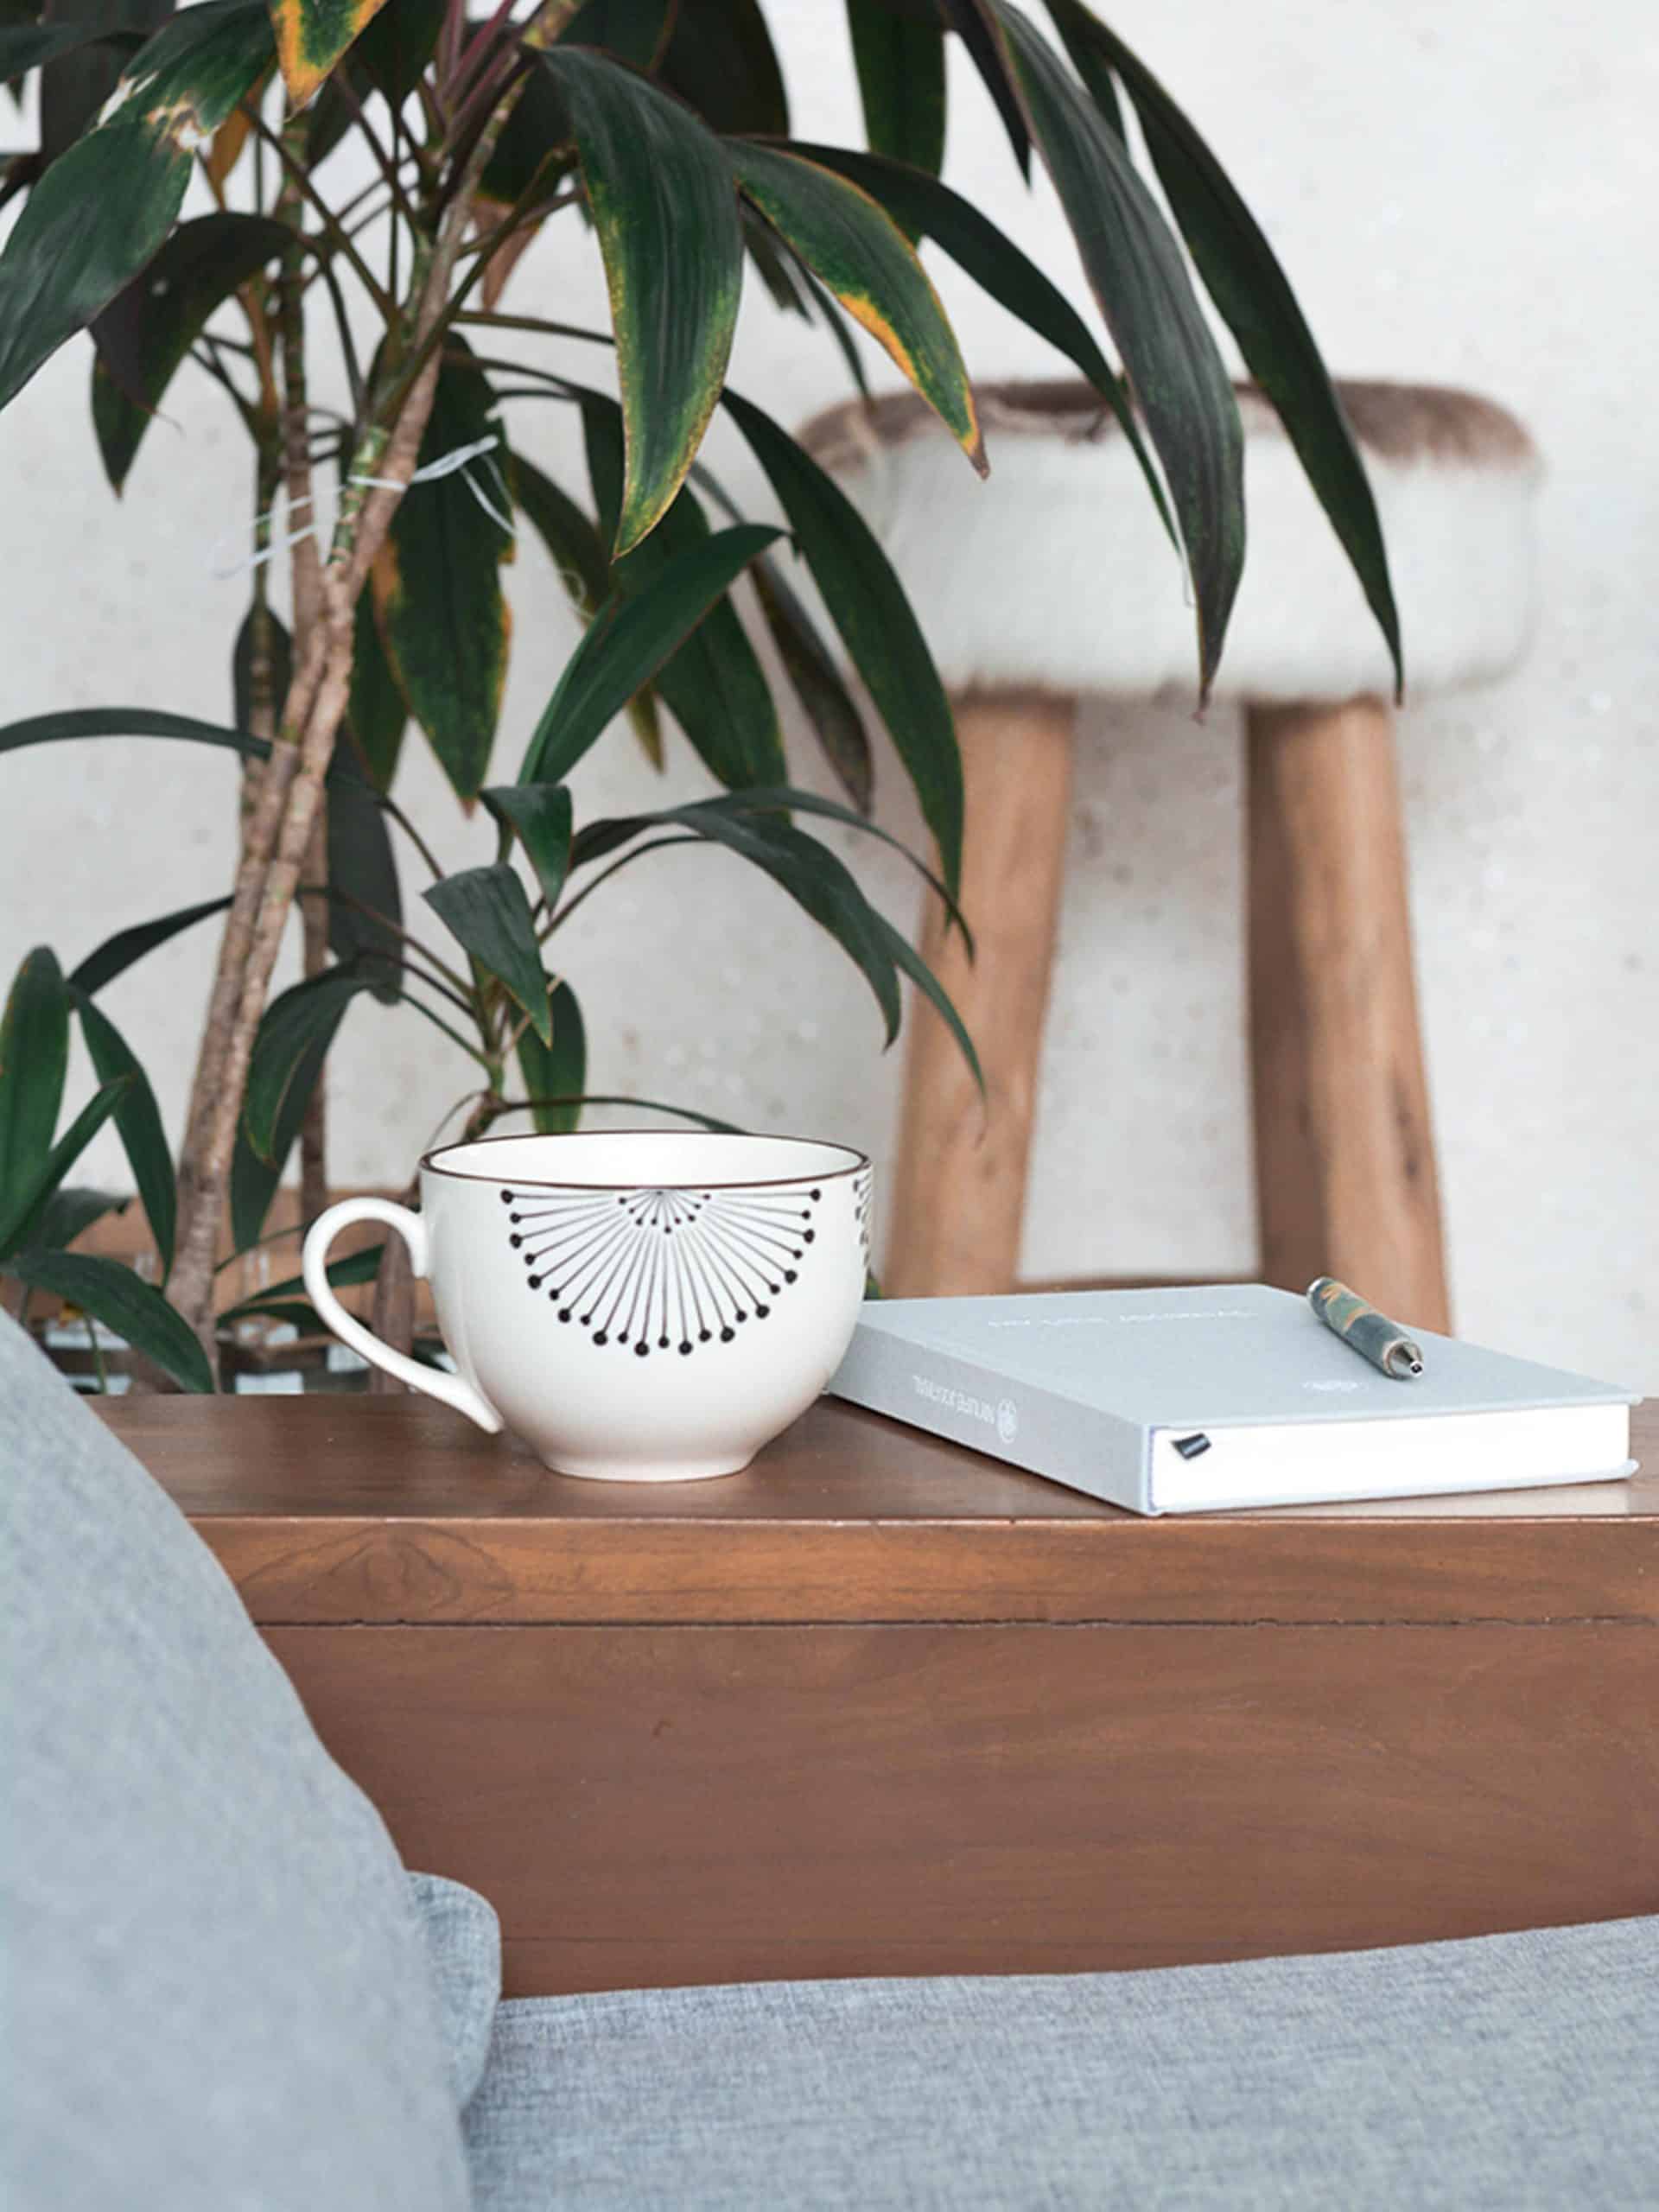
(214, 1994)
(463, 1950)
(1511, 2072)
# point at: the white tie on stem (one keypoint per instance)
(448, 464)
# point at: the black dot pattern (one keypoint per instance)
(659, 1271)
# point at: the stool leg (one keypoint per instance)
(959, 1181)
(1345, 1154)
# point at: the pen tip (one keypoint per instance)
(1416, 1366)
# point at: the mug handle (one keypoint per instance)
(451, 1388)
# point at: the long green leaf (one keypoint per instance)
(533, 155)
(72, 1210)
(487, 913)
(974, 23)
(279, 653)
(254, 1181)
(377, 714)
(867, 606)
(75, 83)
(539, 815)
(116, 954)
(816, 680)
(149, 328)
(114, 1295)
(822, 886)
(575, 548)
(775, 263)
(1242, 276)
(143, 721)
(628, 643)
(398, 45)
(355, 1267)
(790, 798)
(1135, 269)
(125, 722)
(293, 1025)
(721, 62)
(312, 34)
(598, 839)
(20, 1208)
(24, 47)
(928, 209)
(840, 329)
(866, 260)
(900, 62)
(715, 683)
(556, 1074)
(101, 212)
(437, 588)
(634, 31)
(905, 955)
(366, 907)
(812, 875)
(661, 199)
(571, 539)
(33, 1059)
(138, 1121)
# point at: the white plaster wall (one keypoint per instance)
(1459, 195)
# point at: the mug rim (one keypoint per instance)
(857, 1162)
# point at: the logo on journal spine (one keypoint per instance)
(1007, 1420)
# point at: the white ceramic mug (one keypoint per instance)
(639, 1304)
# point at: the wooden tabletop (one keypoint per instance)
(332, 1510)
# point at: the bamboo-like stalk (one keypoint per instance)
(284, 819)
(307, 575)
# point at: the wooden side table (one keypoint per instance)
(881, 1705)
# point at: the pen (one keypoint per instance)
(1370, 1333)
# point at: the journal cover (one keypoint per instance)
(1097, 1388)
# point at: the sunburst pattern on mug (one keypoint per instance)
(658, 1270)
(862, 1184)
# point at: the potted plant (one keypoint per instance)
(664, 124)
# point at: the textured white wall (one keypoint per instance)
(1454, 202)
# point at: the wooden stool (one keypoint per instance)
(1053, 583)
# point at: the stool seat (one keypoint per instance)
(1054, 583)
(1094, 602)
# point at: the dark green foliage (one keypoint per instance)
(149, 328)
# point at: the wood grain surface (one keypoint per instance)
(1344, 1150)
(329, 1510)
(882, 1705)
(658, 1806)
(959, 1174)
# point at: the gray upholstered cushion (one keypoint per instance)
(214, 1994)
(463, 1951)
(1510, 2072)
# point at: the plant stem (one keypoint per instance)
(599, 1098)
(395, 813)
(295, 173)
(652, 845)
(307, 575)
(262, 658)
(443, 979)
(347, 344)
(291, 791)
(476, 47)
(99, 1367)
(438, 1022)
(384, 161)
(534, 322)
